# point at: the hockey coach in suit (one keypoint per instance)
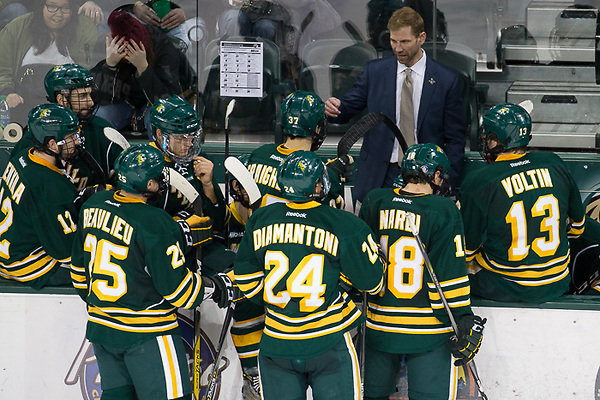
(434, 90)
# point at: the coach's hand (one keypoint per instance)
(344, 167)
(466, 344)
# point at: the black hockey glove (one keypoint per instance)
(343, 166)
(86, 193)
(196, 230)
(470, 334)
(224, 290)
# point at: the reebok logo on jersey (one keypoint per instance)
(295, 214)
(402, 200)
(276, 158)
(519, 163)
(112, 203)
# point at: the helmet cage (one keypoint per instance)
(171, 141)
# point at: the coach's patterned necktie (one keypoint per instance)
(407, 115)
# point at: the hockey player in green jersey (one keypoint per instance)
(39, 217)
(290, 259)
(71, 86)
(177, 133)
(129, 265)
(248, 317)
(407, 319)
(304, 128)
(517, 212)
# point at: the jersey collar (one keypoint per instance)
(284, 150)
(124, 199)
(509, 157)
(41, 161)
(303, 206)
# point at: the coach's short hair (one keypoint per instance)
(406, 16)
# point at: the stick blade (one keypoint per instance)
(241, 173)
(179, 182)
(116, 137)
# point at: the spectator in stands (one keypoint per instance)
(172, 19)
(34, 43)
(38, 202)
(141, 66)
(10, 11)
(517, 213)
(436, 114)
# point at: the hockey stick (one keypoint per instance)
(92, 164)
(179, 182)
(244, 177)
(212, 380)
(365, 124)
(438, 288)
(115, 136)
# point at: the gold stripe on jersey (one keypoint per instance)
(544, 270)
(435, 296)
(300, 335)
(544, 281)
(134, 329)
(32, 267)
(576, 229)
(247, 339)
(403, 320)
(250, 284)
(135, 319)
(334, 307)
(187, 292)
(249, 322)
(411, 331)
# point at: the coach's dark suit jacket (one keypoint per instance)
(440, 120)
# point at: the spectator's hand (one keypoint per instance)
(146, 14)
(466, 344)
(203, 169)
(332, 106)
(93, 11)
(14, 100)
(173, 19)
(115, 50)
(136, 54)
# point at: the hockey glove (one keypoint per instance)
(224, 290)
(86, 193)
(343, 166)
(196, 230)
(470, 334)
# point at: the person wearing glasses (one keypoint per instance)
(34, 43)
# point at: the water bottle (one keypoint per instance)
(4, 112)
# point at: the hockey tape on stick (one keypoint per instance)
(527, 105)
(365, 124)
(214, 374)
(244, 177)
(411, 225)
(12, 132)
(228, 112)
(188, 190)
(115, 136)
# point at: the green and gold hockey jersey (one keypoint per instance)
(38, 219)
(100, 148)
(129, 267)
(408, 315)
(174, 201)
(263, 164)
(515, 212)
(291, 258)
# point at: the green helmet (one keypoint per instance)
(66, 77)
(175, 116)
(298, 174)
(135, 166)
(301, 114)
(54, 121)
(423, 160)
(511, 123)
